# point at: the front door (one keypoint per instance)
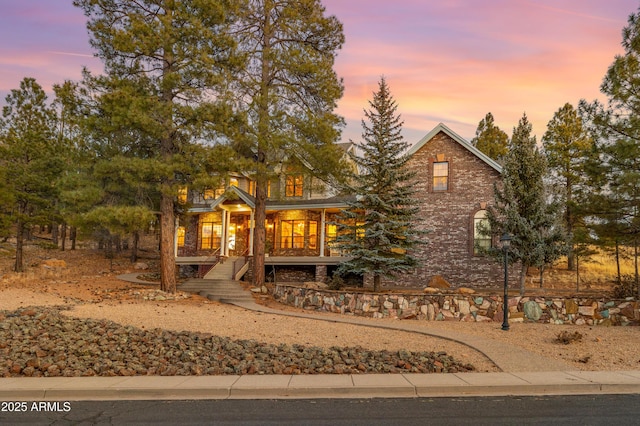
(238, 241)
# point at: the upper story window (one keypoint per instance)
(182, 195)
(441, 176)
(209, 194)
(481, 233)
(293, 186)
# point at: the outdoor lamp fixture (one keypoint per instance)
(506, 243)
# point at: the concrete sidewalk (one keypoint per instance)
(318, 386)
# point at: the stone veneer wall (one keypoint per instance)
(459, 307)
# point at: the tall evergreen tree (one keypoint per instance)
(490, 139)
(79, 189)
(522, 207)
(287, 92)
(567, 146)
(164, 62)
(379, 228)
(29, 156)
(616, 169)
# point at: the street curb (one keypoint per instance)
(318, 386)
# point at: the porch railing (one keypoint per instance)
(240, 263)
(214, 257)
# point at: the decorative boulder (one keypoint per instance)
(438, 282)
(532, 310)
(141, 266)
(466, 290)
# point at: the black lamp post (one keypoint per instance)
(506, 243)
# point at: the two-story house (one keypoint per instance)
(454, 183)
(300, 225)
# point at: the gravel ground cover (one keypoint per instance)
(40, 341)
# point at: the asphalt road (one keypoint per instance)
(543, 410)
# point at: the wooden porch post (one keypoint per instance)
(251, 226)
(175, 238)
(322, 231)
(223, 240)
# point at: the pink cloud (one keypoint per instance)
(450, 61)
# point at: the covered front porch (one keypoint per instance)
(296, 233)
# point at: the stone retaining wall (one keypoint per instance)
(459, 307)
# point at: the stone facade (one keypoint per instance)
(448, 215)
(464, 307)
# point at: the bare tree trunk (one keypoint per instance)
(117, 242)
(635, 260)
(618, 261)
(571, 259)
(167, 149)
(523, 277)
(63, 235)
(569, 219)
(54, 233)
(262, 177)
(377, 280)
(72, 236)
(259, 237)
(19, 265)
(134, 248)
(577, 273)
(167, 260)
(542, 268)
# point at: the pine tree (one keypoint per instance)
(288, 92)
(490, 139)
(522, 208)
(79, 189)
(165, 65)
(567, 146)
(29, 157)
(379, 228)
(615, 171)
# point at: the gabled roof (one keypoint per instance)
(460, 140)
(244, 196)
(331, 202)
(338, 201)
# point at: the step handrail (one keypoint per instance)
(213, 260)
(237, 267)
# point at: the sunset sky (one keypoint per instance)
(445, 61)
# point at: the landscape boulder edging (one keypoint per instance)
(452, 306)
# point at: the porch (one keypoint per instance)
(268, 260)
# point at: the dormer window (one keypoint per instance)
(294, 185)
